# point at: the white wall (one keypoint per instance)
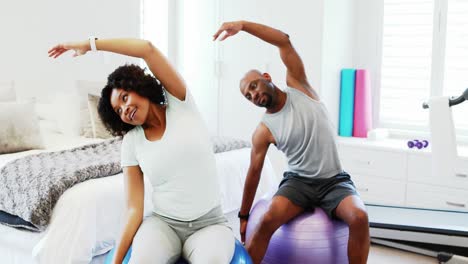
(351, 39)
(196, 53)
(337, 52)
(30, 28)
(325, 33)
(367, 45)
(213, 69)
(303, 22)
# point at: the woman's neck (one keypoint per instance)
(156, 117)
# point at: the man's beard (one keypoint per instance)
(268, 101)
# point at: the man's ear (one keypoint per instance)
(267, 76)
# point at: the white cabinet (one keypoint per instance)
(436, 197)
(365, 161)
(377, 180)
(420, 171)
(375, 190)
(391, 174)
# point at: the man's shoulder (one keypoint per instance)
(262, 135)
(303, 91)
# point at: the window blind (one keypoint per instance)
(406, 62)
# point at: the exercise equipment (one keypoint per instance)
(415, 143)
(346, 102)
(426, 228)
(311, 237)
(362, 104)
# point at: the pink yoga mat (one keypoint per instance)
(362, 104)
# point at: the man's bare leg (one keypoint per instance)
(280, 212)
(353, 212)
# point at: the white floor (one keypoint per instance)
(381, 255)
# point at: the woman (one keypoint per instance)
(165, 139)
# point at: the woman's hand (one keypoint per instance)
(80, 48)
(231, 29)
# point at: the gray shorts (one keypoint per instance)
(309, 193)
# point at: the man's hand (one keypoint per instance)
(243, 228)
(231, 29)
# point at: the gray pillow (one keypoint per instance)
(223, 144)
(98, 128)
(84, 89)
(19, 127)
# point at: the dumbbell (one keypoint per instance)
(418, 144)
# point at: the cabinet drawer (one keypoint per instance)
(368, 162)
(420, 170)
(435, 197)
(380, 191)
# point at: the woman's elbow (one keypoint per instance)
(135, 212)
(149, 48)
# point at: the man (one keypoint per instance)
(297, 123)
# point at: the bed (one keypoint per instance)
(87, 217)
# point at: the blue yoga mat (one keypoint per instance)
(347, 102)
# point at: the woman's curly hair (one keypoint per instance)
(129, 77)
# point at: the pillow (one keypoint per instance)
(47, 115)
(86, 128)
(223, 144)
(61, 114)
(85, 88)
(69, 109)
(7, 92)
(19, 129)
(98, 128)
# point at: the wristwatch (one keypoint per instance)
(92, 43)
(241, 216)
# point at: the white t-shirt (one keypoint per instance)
(180, 166)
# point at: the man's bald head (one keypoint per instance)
(258, 88)
(248, 77)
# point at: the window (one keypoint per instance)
(406, 62)
(424, 54)
(456, 58)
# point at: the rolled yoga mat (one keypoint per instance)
(362, 104)
(346, 102)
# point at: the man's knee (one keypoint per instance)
(359, 219)
(269, 223)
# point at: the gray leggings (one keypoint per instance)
(204, 240)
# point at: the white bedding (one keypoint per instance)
(87, 217)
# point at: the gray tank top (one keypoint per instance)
(304, 133)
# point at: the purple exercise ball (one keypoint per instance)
(311, 237)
